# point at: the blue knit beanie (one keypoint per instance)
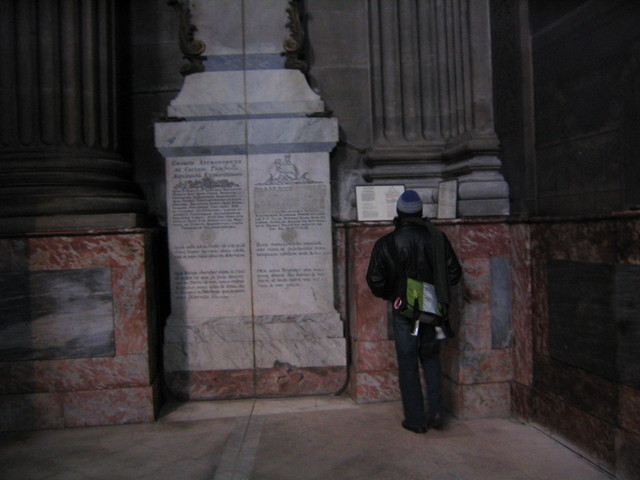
(409, 202)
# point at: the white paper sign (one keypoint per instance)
(377, 202)
(448, 199)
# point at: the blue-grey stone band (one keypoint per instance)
(256, 61)
(196, 151)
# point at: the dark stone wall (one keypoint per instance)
(586, 59)
(154, 79)
(566, 86)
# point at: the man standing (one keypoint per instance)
(415, 249)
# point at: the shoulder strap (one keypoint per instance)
(441, 280)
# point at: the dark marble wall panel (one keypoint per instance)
(581, 316)
(500, 302)
(595, 318)
(584, 324)
(56, 314)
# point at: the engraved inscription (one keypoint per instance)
(205, 196)
(288, 277)
(209, 284)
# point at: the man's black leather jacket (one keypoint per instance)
(414, 259)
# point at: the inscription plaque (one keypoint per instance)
(594, 318)
(209, 234)
(377, 202)
(291, 231)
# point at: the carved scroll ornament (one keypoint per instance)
(293, 46)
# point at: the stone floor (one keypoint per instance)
(328, 438)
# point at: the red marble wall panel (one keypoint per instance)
(521, 303)
(468, 359)
(213, 384)
(365, 237)
(474, 239)
(74, 374)
(130, 320)
(66, 252)
(477, 400)
(371, 311)
(109, 407)
(88, 391)
(374, 356)
(474, 329)
(371, 387)
(484, 366)
(540, 301)
(588, 241)
(289, 380)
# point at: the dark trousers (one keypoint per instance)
(412, 352)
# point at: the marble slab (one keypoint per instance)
(240, 137)
(263, 25)
(291, 243)
(245, 92)
(209, 236)
(298, 327)
(500, 302)
(219, 343)
(56, 314)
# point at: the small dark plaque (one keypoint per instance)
(500, 302)
(56, 314)
(594, 318)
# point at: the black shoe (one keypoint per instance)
(434, 421)
(414, 429)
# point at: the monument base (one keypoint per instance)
(262, 356)
(282, 380)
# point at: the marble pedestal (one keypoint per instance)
(250, 239)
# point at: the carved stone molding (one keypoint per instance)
(191, 48)
(432, 97)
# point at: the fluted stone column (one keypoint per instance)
(432, 102)
(59, 113)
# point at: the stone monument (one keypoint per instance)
(248, 198)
